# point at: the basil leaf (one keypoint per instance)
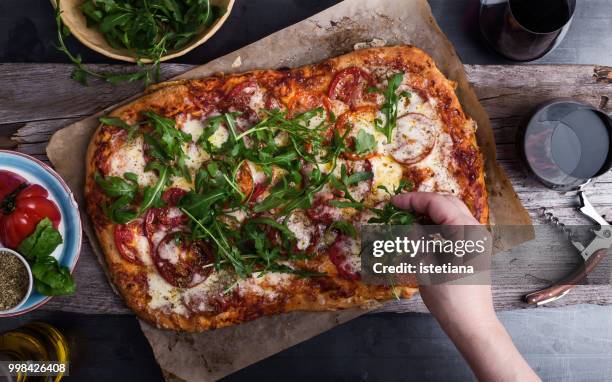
(115, 186)
(42, 242)
(50, 278)
(364, 142)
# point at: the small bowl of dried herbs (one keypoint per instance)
(15, 281)
(141, 31)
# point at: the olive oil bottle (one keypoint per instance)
(37, 342)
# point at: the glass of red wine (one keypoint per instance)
(566, 143)
(525, 30)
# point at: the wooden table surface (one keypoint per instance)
(39, 99)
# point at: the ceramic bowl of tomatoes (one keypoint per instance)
(39, 218)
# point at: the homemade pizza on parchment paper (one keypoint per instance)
(223, 199)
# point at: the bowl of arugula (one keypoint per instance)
(142, 31)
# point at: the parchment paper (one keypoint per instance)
(212, 355)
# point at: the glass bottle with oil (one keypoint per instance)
(38, 342)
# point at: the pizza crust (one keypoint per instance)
(295, 89)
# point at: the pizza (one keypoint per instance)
(223, 199)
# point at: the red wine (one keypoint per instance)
(541, 16)
(525, 30)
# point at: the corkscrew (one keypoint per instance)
(592, 253)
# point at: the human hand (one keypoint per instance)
(449, 302)
(465, 312)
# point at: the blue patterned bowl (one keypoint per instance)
(67, 253)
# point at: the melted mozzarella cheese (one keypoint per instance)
(281, 139)
(367, 125)
(144, 249)
(302, 228)
(163, 295)
(219, 137)
(351, 248)
(256, 173)
(266, 286)
(130, 158)
(193, 127)
(413, 138)
(387, 173)
(316, 121)
(440, 159)
(257, 101)
(416, 104)
(169, 251)
(198, 296)
(195, 156)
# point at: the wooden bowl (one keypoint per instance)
(75, 20)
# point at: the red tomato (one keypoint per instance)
(9, 181)
(22, 208)
(349, 86)
(126, 241)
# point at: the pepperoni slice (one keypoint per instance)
(173, 196)
(160, 221)
(129, 241)
(414, 138)
(344, 253)
(181, 262)
(350, 86)
(250, 99)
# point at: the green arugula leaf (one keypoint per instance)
(389, 106)
(118, 122)
(152, 195)
(358, 177)
(391, 215)
(343, 226)
(346, 204)
(149, 29)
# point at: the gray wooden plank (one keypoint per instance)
(28, 117)
(35, 92)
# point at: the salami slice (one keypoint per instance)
(345, 254)
(181, 262)
(161, 221)
(250, 99)
(414, 138)
(350, 86)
